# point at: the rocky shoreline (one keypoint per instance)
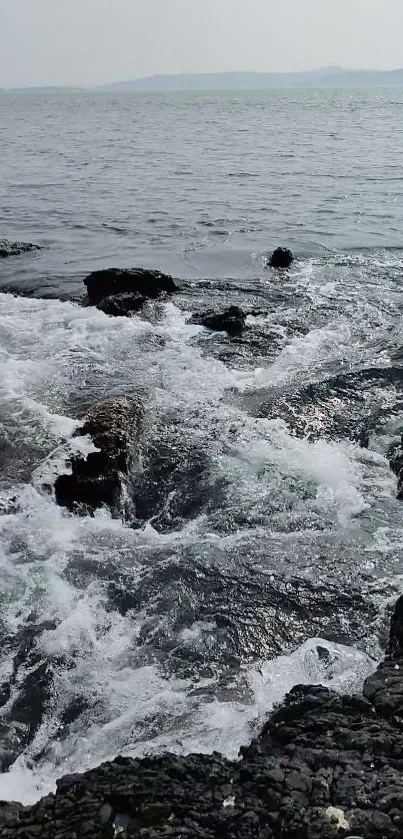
(323, 766)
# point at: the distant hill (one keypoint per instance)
(326, 77)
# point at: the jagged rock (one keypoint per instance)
(324, 766)
(232, 320)
(8, 248)
(121, 291)
(95, 481)
(281, 258)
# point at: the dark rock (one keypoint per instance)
(232, 320)
(384, 689)
(88, 492)
(175, 482)
(114, 427)
(396, 465)
(120, 291)
(122, 305)
(9, 812)
(281, 258)
(8, 248)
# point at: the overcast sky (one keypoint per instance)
(93, 41)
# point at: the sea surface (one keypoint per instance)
(267, 545)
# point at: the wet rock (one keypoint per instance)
(25, 693)
(95, 481)
(122, 305)
(175, 483)
(349, 405)
(121, 291)
(281, 258)
(286, 611)
(9, 812)
(232, 320)
(323, 766)
(384, 689)
(8, 248)
(396, 465)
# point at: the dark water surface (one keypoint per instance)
(268, 541)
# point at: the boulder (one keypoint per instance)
(8, 248)
(95, 481)
(121, 291)
(324, 766)
(231, 320)
(281, 258)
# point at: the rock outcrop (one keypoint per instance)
(8, 248)
(324, 766)
(232, 320)
(96, 480)
(123, 291)
(281, 258)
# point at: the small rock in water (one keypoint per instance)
(281, 258)
(8, 248)
(232, 320)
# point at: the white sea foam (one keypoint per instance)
(53, 354)
(148, 714)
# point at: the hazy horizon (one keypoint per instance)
(212, 74)
(92, 42)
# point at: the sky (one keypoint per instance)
(89, 42)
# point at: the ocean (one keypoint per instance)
(267, 545)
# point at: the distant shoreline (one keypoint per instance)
(330, 77)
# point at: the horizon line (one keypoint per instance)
(330, 69)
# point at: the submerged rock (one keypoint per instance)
(281, 258)
(96, 480)
(324, 766)
(232, 320)
(8, 248)
(175, 483)
(121, 291)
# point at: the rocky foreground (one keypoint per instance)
(323, 766)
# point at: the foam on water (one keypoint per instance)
(56, 356)
(141, 704)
